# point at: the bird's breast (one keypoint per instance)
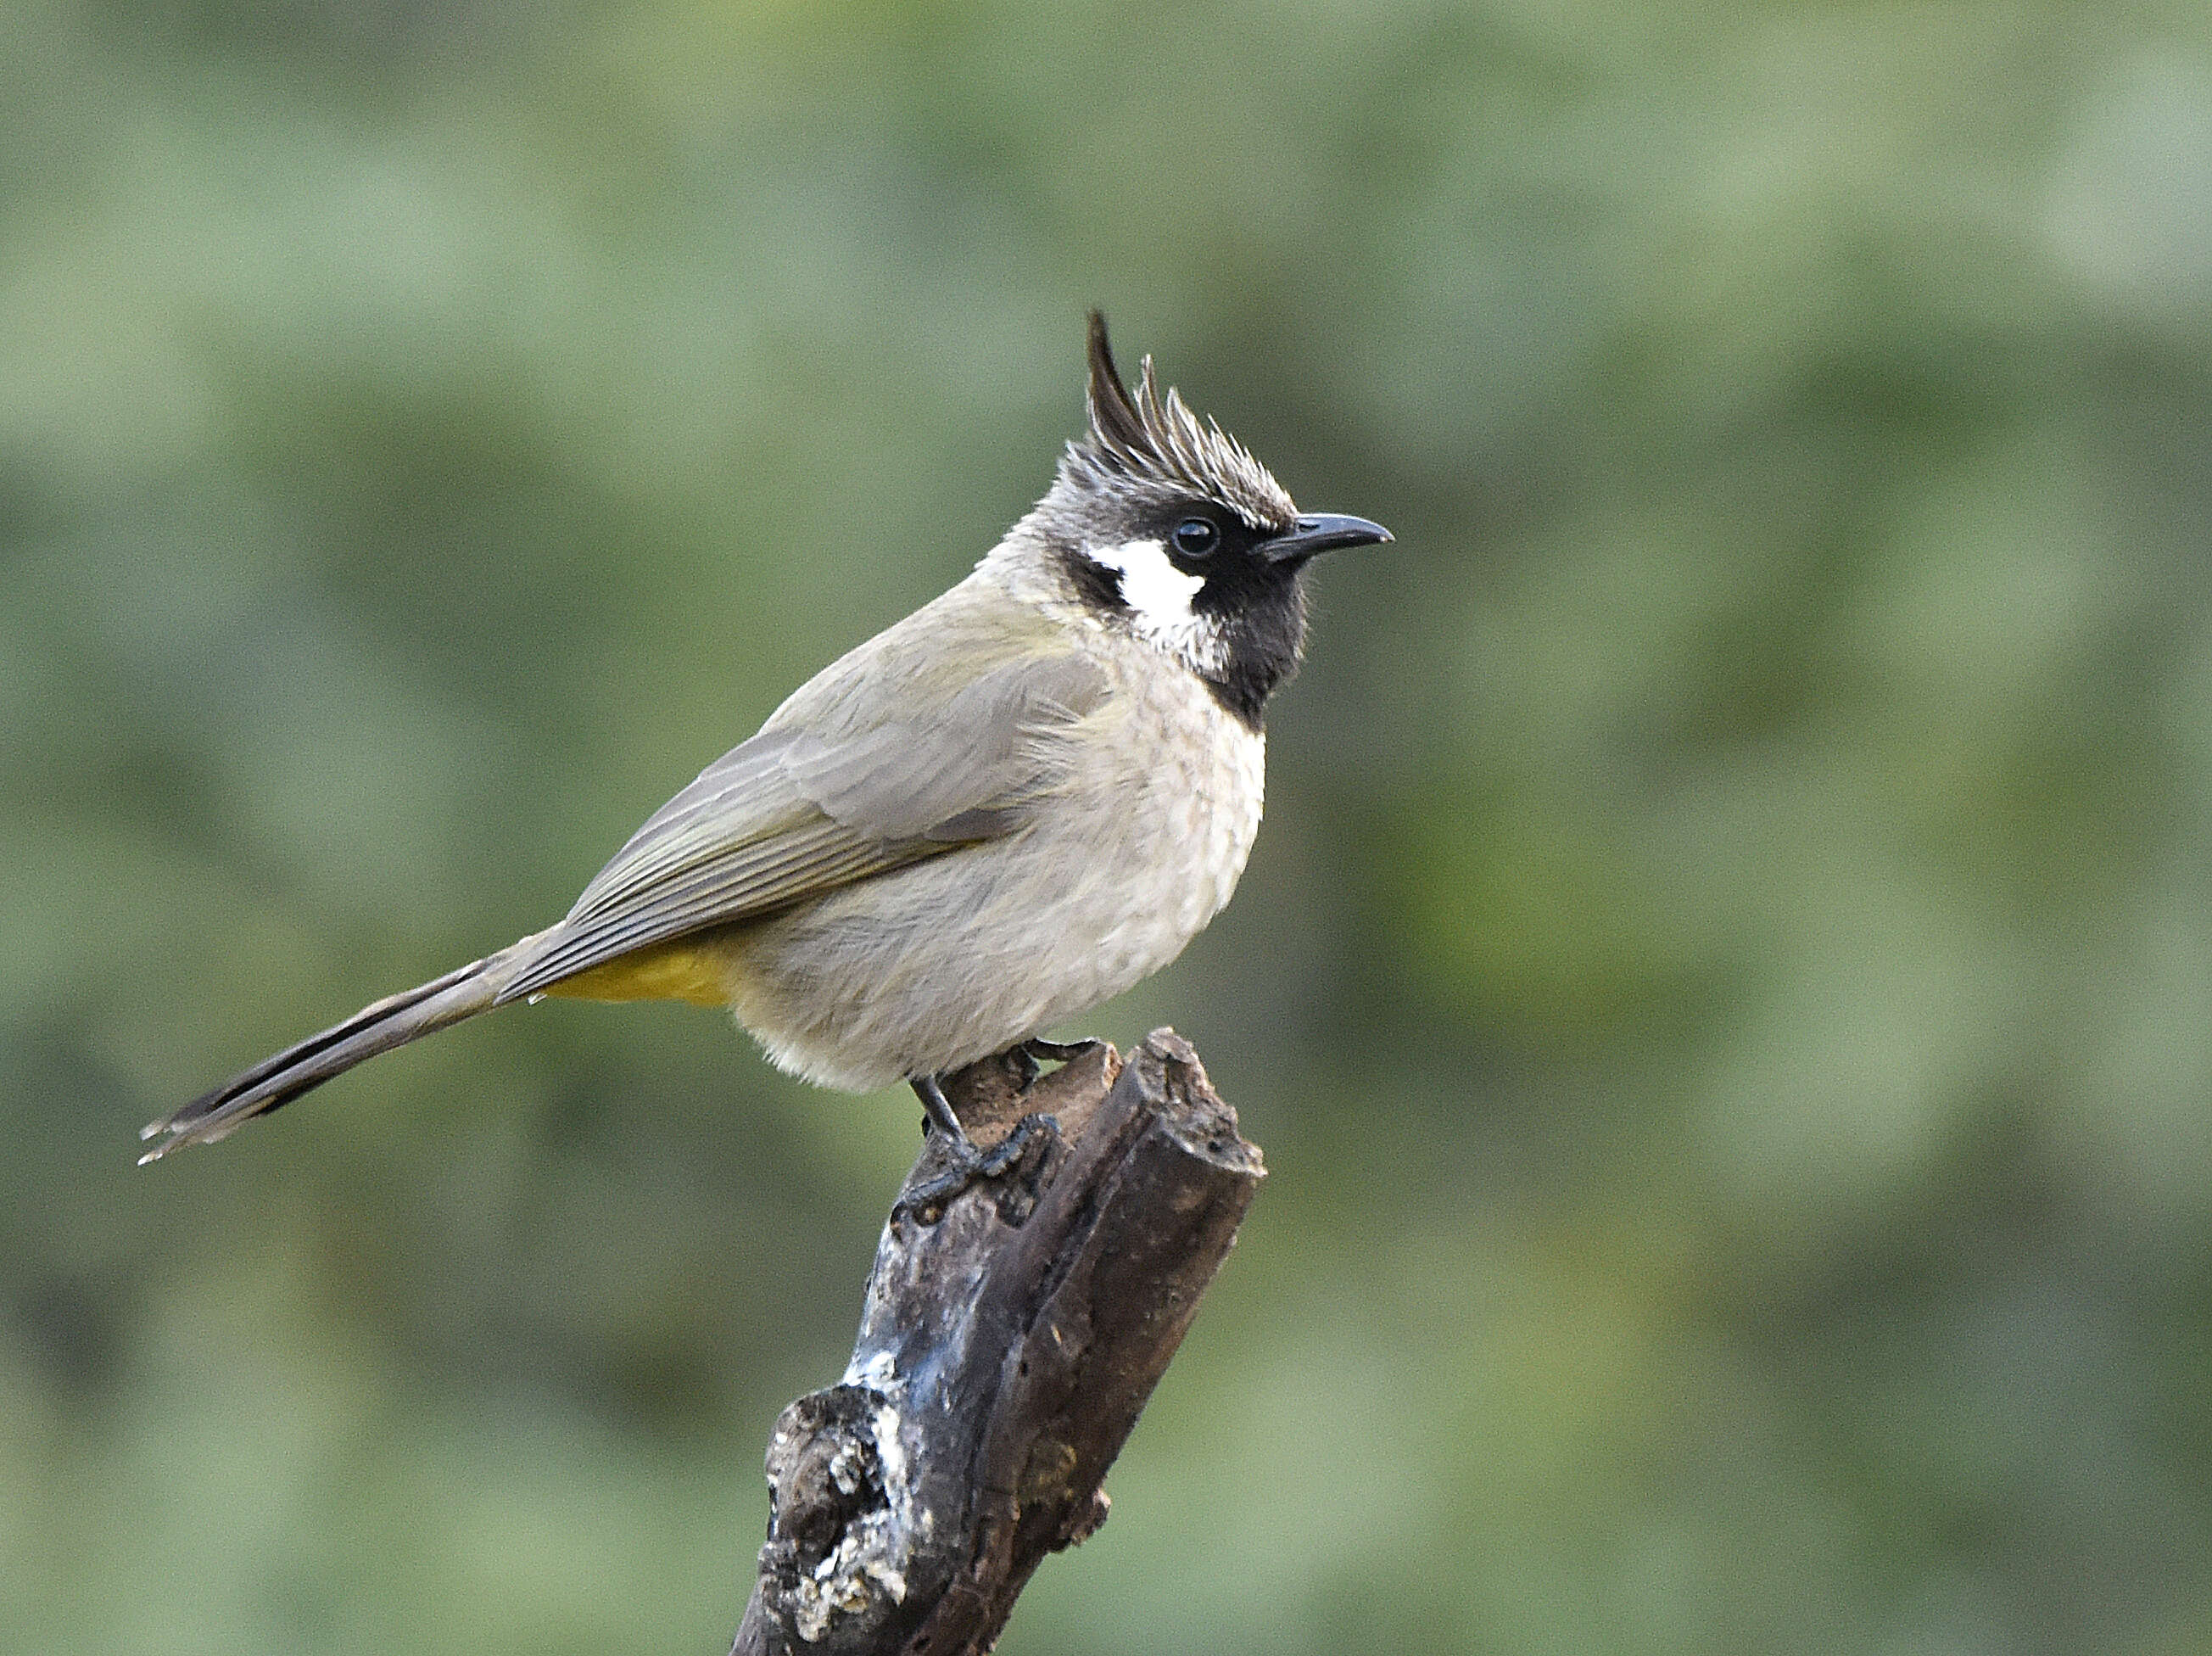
(1161, 817)
(1139, 843)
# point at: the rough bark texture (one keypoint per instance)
(1004, 1352)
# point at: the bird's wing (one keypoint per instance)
(867, 774)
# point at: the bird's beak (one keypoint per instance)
(1322, 531)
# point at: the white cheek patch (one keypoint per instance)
(1157, 591)
(1160, 597)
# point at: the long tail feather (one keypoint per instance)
(378, 1027)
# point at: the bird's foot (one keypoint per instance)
(1026, 1056)
(1061, 1051)
(965, 1162)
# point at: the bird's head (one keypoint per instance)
(1165, 526)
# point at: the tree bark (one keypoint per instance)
(1006, 1348)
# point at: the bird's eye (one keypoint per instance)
(1196, 537)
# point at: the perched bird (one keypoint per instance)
(1011, 805)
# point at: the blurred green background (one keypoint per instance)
(1725, 988)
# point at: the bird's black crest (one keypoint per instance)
(1151, 438)
(1113, 416)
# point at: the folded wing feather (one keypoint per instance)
(790, 814)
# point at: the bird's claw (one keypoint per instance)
(1025, 1056)
(1061, 1051)
(925, 1203)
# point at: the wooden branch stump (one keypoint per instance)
(1004, 1351)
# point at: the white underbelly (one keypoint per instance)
(947, 961)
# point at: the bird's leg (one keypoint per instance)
(939, 1109)
(965, 1163)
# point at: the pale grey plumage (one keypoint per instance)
(1013, 804)
(1121, 796)
(853, 777)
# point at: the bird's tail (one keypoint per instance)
(393, 1021)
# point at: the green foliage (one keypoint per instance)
(1725, 987)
